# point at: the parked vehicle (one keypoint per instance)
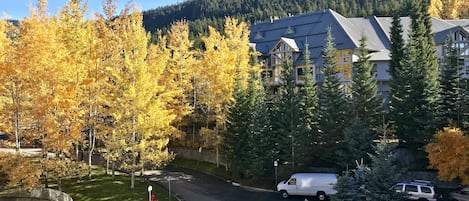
(309, 184)
(419, 190)
(460, 195)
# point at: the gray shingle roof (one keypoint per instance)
(347, 32)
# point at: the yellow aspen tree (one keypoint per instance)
(8, 112)
(435, 8)
(181, 65)
(225, 58)
(74, 34)
(54, 100)
(448, 154)
(20, 172)
(103, 52)
(15, 85)
(447, 9)
(141, 107)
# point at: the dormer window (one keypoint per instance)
(289, 30)
(258, 36)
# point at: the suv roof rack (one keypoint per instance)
(420, 181)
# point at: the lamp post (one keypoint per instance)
(276, 167)
(149, 192)
(169, 187)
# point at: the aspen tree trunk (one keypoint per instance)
(107, 165)
(134, 158)
(92, 141)
(17, 130)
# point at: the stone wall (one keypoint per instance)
(38, 194)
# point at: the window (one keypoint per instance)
(300, 73)
(398, 188)
(344, 62)
(292, 181)
(425, 189)
(411, 188)
(374, 70)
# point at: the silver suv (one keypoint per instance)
(419, 190)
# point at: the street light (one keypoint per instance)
(169, 186)
(149, 192)
(276, 166)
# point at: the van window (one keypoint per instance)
(292, 181)
(411, 188)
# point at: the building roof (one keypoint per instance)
(312, 28)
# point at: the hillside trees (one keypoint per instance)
(448, 9)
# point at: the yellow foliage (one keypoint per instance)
(21, 172)
(449, 154)
(448, 9)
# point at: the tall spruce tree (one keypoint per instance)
(414, 106)
(450, 87)
(465, 104)
(366, 103)
(332, 103)
(309, 111)
(236, 137)
(365, 110)
(287, 118)
(259, 128)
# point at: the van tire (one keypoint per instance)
(321, 196)
(284, 194)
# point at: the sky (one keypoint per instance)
(17, 9)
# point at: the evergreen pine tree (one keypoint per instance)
(365, 111)
(332, 102)
(347, 189)
(384, 173)
(351, 186)
(309, 111)
(358, 143)
(450, 89)
(465, 104)
(415, 104)
(236, 137)
(287, 118)
(259, 128)
(366, 104)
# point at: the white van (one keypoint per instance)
(309, 184)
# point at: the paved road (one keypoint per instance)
(190, 185)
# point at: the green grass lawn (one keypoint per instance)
(102, 187)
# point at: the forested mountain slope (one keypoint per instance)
(201, 13)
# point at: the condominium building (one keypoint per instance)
(286, 38)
